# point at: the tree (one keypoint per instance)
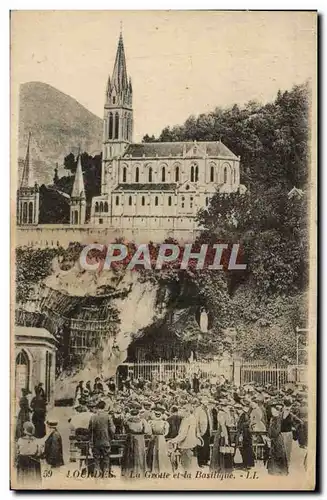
(69, 163)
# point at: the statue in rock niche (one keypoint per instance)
(203, 321)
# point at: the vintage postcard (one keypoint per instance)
(163, 328)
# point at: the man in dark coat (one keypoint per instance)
(174, 421)
(53, 446)
(196, 383)
(102, 430)
(98, 387)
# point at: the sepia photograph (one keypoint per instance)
(163, 250)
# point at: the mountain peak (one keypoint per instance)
(59, 125)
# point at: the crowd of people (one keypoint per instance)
(190, 423)
(178, 424)
(36, 438)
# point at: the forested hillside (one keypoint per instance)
(266, 302)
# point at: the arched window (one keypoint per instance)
(101, 206)
(25, 212)
(143, 201)
(130, 200)
(163, 174)
(196, 174)
(156, 201)
(110, 126)
(116, 126)
(212, 174)
(117, 200)
(169, 201)
(124, 174)
(30, 212)
(22, 371)
(137, 174)
(105, 207)
(225, 175)
(191, 202)
(150, 174)
(177, 174)
(183, 201)
(96, 208)
(192, 173)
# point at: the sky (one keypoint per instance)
(181, 62)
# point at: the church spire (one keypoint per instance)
(78, 190)
(26, 177)
(119, 75)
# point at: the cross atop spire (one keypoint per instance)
(78, 190)
(26, 177)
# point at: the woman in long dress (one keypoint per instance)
(23, 414)
(134, 460)
(28, 453)
(244, 439)
(222, 455)
(277, 464)
(38, 405)
(157, 455)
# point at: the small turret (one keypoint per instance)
(28, 193)
(77, 198)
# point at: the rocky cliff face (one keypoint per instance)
(59, 125)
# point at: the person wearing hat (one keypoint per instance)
(243, 439)
(134, 458)
(111, 386)
(98, 387)
(101, 431)
(289, 421)
(38, 405)
(79, 390)
(53, 446)
(28, 453)
(118, 419)
(23, 414)
(204, 425)
(188, 438)
(222, 452)
(174, 421)
(277, 464)
(89, 387)
(157, 454)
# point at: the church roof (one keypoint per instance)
(78, 186)
(166, 149)
(31, 331)
(136, 186)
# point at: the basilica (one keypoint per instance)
(155, 188)
(159, 185)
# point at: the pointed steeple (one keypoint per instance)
(78, 190)
(119, 76)
(27, 181)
